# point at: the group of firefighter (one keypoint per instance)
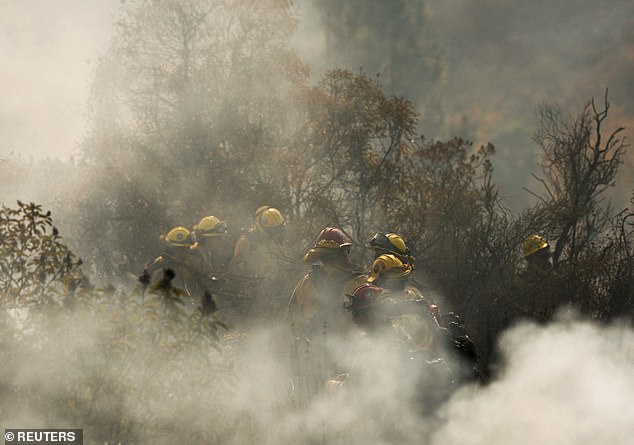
(248, 277)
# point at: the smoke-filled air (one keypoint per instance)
(317, 222)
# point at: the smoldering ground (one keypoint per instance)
(568, 382)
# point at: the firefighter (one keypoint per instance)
(319, 297)
(407, 332)
(258, 265)
(370, 307)
(528, 296)
(317, 317)
(182, 257)
(393, 275)
(266, 234)
(537, 254)
(211, 236)
(393, 244)
(534, 285)
(426, 328)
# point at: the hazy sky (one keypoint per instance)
(504, 58)
(501, 59)
(48, 50)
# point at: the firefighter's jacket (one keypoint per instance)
(189, 269)
(258, 270)
(534, 293)
(317, 304)
(411, 319)
(215, 257)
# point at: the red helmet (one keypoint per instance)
(364, 297)
(329, 240)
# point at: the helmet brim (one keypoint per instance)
(317, 253)
(538, 248)
(212, 234)
(391, 274)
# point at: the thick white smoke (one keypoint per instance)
(566, 383)
(48, 52)
(569, 383)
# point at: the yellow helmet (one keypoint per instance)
(388, 266)
(268, 219)
(178, 237)
(533, 244)
(210, 226)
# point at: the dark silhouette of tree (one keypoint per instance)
(387, 39)
(36, 267)
(357, 139)
(615, 287)
(579, 162)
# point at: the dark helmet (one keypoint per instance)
(391, 243)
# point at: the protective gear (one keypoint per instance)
(364, 297)
(316, 315)
(533, 244)
(536, 284)
(179, 267)
(389, 266)
(210, 226)
(213, 243)
(268, 219)
(178, 237)
(330, 240)
(391, 243)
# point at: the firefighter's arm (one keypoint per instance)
(148, 269)
(350, 285)
(195, 262)
(299, 307)
(155, 264)
(240, 254)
